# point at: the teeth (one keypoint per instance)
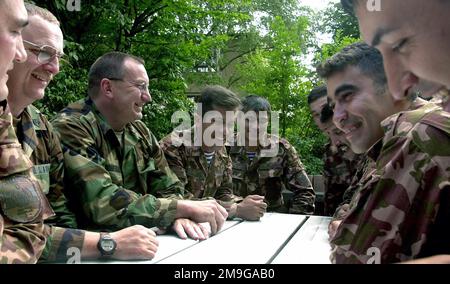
(39, 77)
(353, 128)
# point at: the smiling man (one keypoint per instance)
(23, 208)
(114, 165)
(414, 45)
(401, 207)
(206, 170)
(27, 83)
(340, 162)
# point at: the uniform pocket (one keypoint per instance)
(42, 174)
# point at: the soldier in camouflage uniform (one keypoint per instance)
(426, 59)
(23, 208)
(255, 172)
(205, 171)
(400, 210)
(340, 167)
(114, 166)
(42, 146)
(340, 163)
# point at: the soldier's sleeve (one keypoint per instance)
(174, 159)
(59, 241)
(23, 207)
(297, 181)
(175, 162)
(326, 169)
(163, 182)
(63, 216)
(105, 203)
(225, 191)
(21, 243)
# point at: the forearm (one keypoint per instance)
(122, 208)
(63, 216)
(304, 195)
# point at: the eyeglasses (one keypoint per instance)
(142, 86)
(44, 53)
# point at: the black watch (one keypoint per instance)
(106, 245)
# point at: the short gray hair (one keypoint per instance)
(109, 66)
(45, 14)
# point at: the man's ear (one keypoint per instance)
(106, 88)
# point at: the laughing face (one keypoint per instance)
(358, 109)
(13, 17)
(130, 93)
(414, 45)
(29, 80)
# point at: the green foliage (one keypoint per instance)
(251, 46)
(328, 49)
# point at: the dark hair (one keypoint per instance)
(215, 96)
(317, 93)
(368, 59)
(326, 114)
(109, 65)
(255, 103)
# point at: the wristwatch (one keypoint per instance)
(106, 245)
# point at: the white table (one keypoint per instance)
(276, 238)
(168, 246)
(245, 243)
(309, 245)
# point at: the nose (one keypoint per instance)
(399, 78)
(21, 54)
(339, 115)
(52, 66)
(146, 97)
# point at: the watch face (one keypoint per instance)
(107, 245)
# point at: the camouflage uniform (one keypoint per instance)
(366, 165)
(23, 207)
(401, 210)
(269, 176)
(340, 166)
(200, 179)
(42, 146)
(117, 184)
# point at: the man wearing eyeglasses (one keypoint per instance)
(23, 208)
(43, 41)
(114, 164)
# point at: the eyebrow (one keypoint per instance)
(379, 34)
(344, 88)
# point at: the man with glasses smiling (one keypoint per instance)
(116, 170)
(23, 208)
(44, 53)
(27, 83)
